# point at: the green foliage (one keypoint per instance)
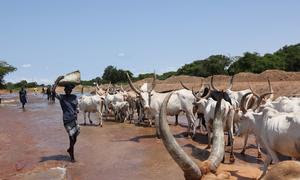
(216, 64)
(22, 83)
(91, 82)
(290, 55)
(114, 75)
(144, 76)
(167, 75)
(5, 68)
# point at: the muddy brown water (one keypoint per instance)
(35, 140)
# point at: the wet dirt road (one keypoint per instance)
(35, 140)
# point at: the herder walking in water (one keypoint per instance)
(23, 97)
(69, 106)
(48, 91)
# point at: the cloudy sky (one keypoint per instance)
(44, 39)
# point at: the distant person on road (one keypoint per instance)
(53, 94)
(35, 91)
(69, 106)
(48, 91)
(23, 97)
(43, 90)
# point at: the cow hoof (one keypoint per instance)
(91, 122)
(259, 155)
(194, 137)
(231, 159)
(243, 152)
(84, 124)
(186, 134)
(223, 160)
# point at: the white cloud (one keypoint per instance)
(26, 65)
(121, 54)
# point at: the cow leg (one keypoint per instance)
(157, 126)
(266, 164)
(84, 117)
(230, 134)
(100, 119)
(245, 143)
(191, 123)
(209, 137)
(176, 119)
(89, 115)
(258, 149)
(271, 156)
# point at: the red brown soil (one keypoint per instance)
(35, 140)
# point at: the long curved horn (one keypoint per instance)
(122, 88)
(230, 83)
(212, 83)
(195, 94)
(206, 95)
(271, 90)
(153, 82)
(107, 90)
(242, 105)
(132, 86)
(260, 100)
(217, 150)
(253, 92)
(184, 86)
(250, 102)
(97, 86)
(190, 168)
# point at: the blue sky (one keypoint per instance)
(44, 39)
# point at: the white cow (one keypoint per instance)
(181, 100)
(207, 107)
(121, 110)
(94, 104)
(276, 131)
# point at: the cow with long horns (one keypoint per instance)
(191, 170)
(278, 132)
(181, 100)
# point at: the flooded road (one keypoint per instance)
(34, 141)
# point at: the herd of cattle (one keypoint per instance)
(275, 123)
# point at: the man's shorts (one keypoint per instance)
(72, 128)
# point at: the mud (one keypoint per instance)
(32, 141)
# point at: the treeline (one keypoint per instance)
(22, 83)
(286, 58)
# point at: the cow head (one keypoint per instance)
(248, 112)
(144, 95)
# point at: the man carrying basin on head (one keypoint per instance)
(69, 106)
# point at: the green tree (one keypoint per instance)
(291, 57)
(215, 64)
(5, 68)
(114, 75)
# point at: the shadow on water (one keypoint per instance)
(197, 153)
(59, 157)
(235, 174)
(138, 138)
(88, 124)
(248, 158)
